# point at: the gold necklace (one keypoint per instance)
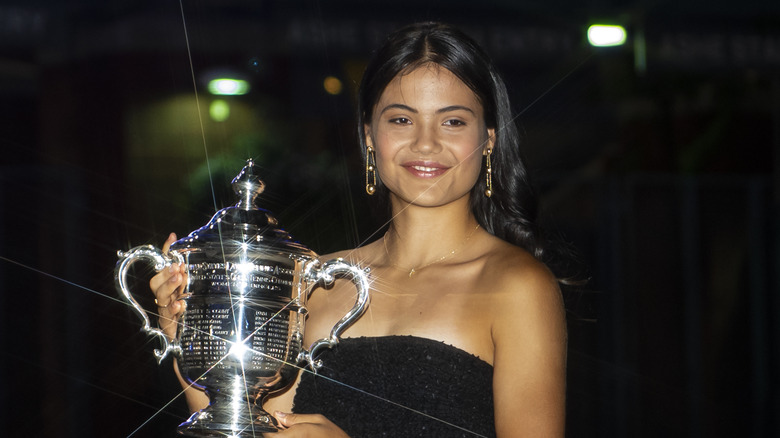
(418, 268)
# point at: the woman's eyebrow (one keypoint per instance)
(450, 108)
(446, 109)
(398, 106)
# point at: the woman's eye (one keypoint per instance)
(400, 121)
(455, 122)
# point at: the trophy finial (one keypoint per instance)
(248, 185)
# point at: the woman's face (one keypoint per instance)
(428, 130)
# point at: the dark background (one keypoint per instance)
(657, 160)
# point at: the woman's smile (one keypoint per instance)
(425, 169)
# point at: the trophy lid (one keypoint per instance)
(244, 223)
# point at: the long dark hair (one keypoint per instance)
(511, 212)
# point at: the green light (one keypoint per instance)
(604, 35)
(219, 110)
(228, 87)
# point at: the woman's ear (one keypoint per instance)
(367, 134)
(491, 141)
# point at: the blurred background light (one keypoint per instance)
(605, 35)
(228, 87)
(219, 110)
(332, 85)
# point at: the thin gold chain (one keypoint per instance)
(413, 270)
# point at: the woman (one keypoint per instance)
(466, 332)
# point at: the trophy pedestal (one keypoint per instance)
(223, 418)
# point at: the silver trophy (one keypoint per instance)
(241, 335)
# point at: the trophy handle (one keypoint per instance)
(160, 261)
(324, 276)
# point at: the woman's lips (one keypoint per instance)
(425, 169)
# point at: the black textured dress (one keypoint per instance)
(400, 386)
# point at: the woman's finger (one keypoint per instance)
(165, 283)
(167, 245)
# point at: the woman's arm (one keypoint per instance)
(529, 335)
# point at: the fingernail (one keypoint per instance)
(280, 414)
(172, 236)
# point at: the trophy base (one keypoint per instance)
(204, 424)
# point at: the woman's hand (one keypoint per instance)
(307, 425)
(168, 287)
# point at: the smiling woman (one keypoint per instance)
(429, 135)
(465, 334)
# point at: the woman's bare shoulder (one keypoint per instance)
(520, 280)
(511, 263)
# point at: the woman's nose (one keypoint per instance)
(426, 141)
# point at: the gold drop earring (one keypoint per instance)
(370, 170)
(488, 174)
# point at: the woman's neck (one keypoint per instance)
(420, 236)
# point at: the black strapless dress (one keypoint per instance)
(400, 386)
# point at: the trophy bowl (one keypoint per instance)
(240, 337)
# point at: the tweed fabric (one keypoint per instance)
(400, 386)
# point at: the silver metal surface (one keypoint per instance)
(241, 335)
